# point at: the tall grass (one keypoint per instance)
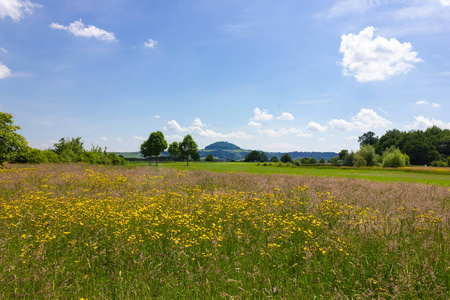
(79, 231)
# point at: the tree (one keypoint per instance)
(312, 161)
(188, 147)
(286, 158)
(394, 158)
(322, 161)
(174, 150)
(70, 150)
(195, 156)
(263, 157)
(274, 159)
(209, 158)
(368, 138)
(335, 161)
(253, 156)
(11, 143)
(154, 145)
(367, 152)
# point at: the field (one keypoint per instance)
(428, 175)
(80, 231)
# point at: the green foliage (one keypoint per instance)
(195, 156)
(368, 153)
(263, 157)
(335, 161)
(69, 150)
(188, 148)
(174, 150)
(394, 158)
(12, 144)
(359, 161)
(154, 145)
(322, 161)
(286, 158)
(209, 158)
(439, 163)
(253, 156)
(274, 159)
(367, 138)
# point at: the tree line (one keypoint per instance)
(14, 149)
(399, 148)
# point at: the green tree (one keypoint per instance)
(253, 156)
(359, 161)
(174, 150)
(286, 158)
(335, 161)
(274, 159)
(69, 150)
(368, 153)
(263, 157)
(322, 161)
(394, 158)
(312, 161)
(11, 143)
(368, 138)
(209, 158)
(188, 147)
(154, 145)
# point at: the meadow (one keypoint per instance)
(77, 231)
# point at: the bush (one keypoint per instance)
(274, 159)
(286, 158)
(335, 161)
(367, 152)
(209, 158)
(394, 158)
(360, 161)
(438, 163)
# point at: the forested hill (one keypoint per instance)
(222, 146)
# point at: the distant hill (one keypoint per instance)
(222, 146)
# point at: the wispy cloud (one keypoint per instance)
(369, 59)
(104, 138)
(17, 9)
(77, 28)
(139, 138)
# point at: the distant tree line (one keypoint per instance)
(399, 148)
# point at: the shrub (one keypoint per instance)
(209, 158)
(286, 158)
(394, 158)
(368, 153)
(438, 163)
(360, 161)
(335, 161)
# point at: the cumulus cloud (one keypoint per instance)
(445, 2)
(198, 123)
(254, 124)
(17, 9)
(77, 28)
(150, 44)
(366, 119)
(369, 59)
(313, 126)
(286, 116)
(4, 71)
(139, 138)
(261, 115)
(424, 123)
(173, 125)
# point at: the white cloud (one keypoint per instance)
(157, 116)
(424, 123)
(198, 123)
(119, 139)
(365, 120)
(150, 44)
(445, 2)
(345, 7)
(17, 9)
(286, 116)
(435, 105)
(77, 28)
(173, 125)
(139, 138)
(261, 115)
(283, 132)
(4, 71)
(254, 124)
(53, 141)
(313, 126)
(369, 59)
(104, 138)
(3, 50)
(421, 102)
(211, 134)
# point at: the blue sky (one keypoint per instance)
(274, 76)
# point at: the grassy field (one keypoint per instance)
(78, 231)
(439, 176)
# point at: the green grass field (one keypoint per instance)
(375, 174)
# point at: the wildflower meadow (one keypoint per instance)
(115, 232)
